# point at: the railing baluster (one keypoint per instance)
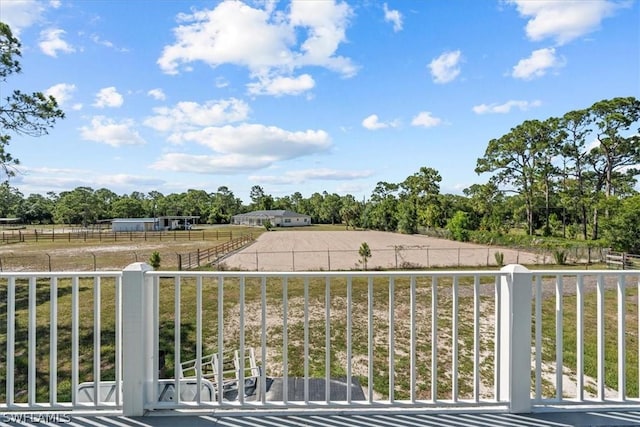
(74, 340)
(241, 357)
(118, 338)
(96, 339)
(496, 345)
(32, 342)
(263, 339)
(285, 341)
(538, 338)
(155, 296)
(370, 338)
(622, 345)
(327, 341)
(600, 339)
(454, 341)
(198, 339)
(11, 339)
(476, 338)
(434, 338)
(219, 380)
(559, 336)
(53, 342)
(412, 344)
(391, 350)
(580, 339)
(177, 321)
(306, 340)
(349, 350)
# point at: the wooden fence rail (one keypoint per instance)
(21, 236)
(622, 261)
(190, 260)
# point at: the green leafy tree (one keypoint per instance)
(365, 253)
(36, 209)
(259, 199)
(77, 207)
(616, 157)
(623, 229)
(20, 113)
(10, 200)
(224, 205)
(420, 189)
(350, 211)
(514, 160)
(486, 201)
(128, 207)
(330, 208)
(459, 226)
(381, 212)
(575, 192)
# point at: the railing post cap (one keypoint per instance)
(514, 268)
(138, 266)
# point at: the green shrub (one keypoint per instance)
(154, 260)
(365, 253)
(560, 257)
(499, 256)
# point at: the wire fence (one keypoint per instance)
(402, 258)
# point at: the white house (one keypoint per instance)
(277, 218)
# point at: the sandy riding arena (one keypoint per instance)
(285, 250)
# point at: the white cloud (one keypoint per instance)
(51, 42)
(564, 20)
(278, 86)
(302, 176)
(505, 107)
(42, 180)
(425, 119)
(188, 116)
(446, 67)
(373, 122)
(394, 17)
(210, 164)
(157, 94)
(268, 42)
(97, 40)
(108, 97)
(221, 82)
(21, 14)
(107, 131)
(243, 148)
(537, 64)
(62, 92)
(259, 140)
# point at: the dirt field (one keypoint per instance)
(285, 250)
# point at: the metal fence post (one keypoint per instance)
(137, 338)
(515, 338)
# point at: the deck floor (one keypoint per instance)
(392, 419)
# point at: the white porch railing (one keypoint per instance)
(141, 340)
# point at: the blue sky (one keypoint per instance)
(306, 95)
